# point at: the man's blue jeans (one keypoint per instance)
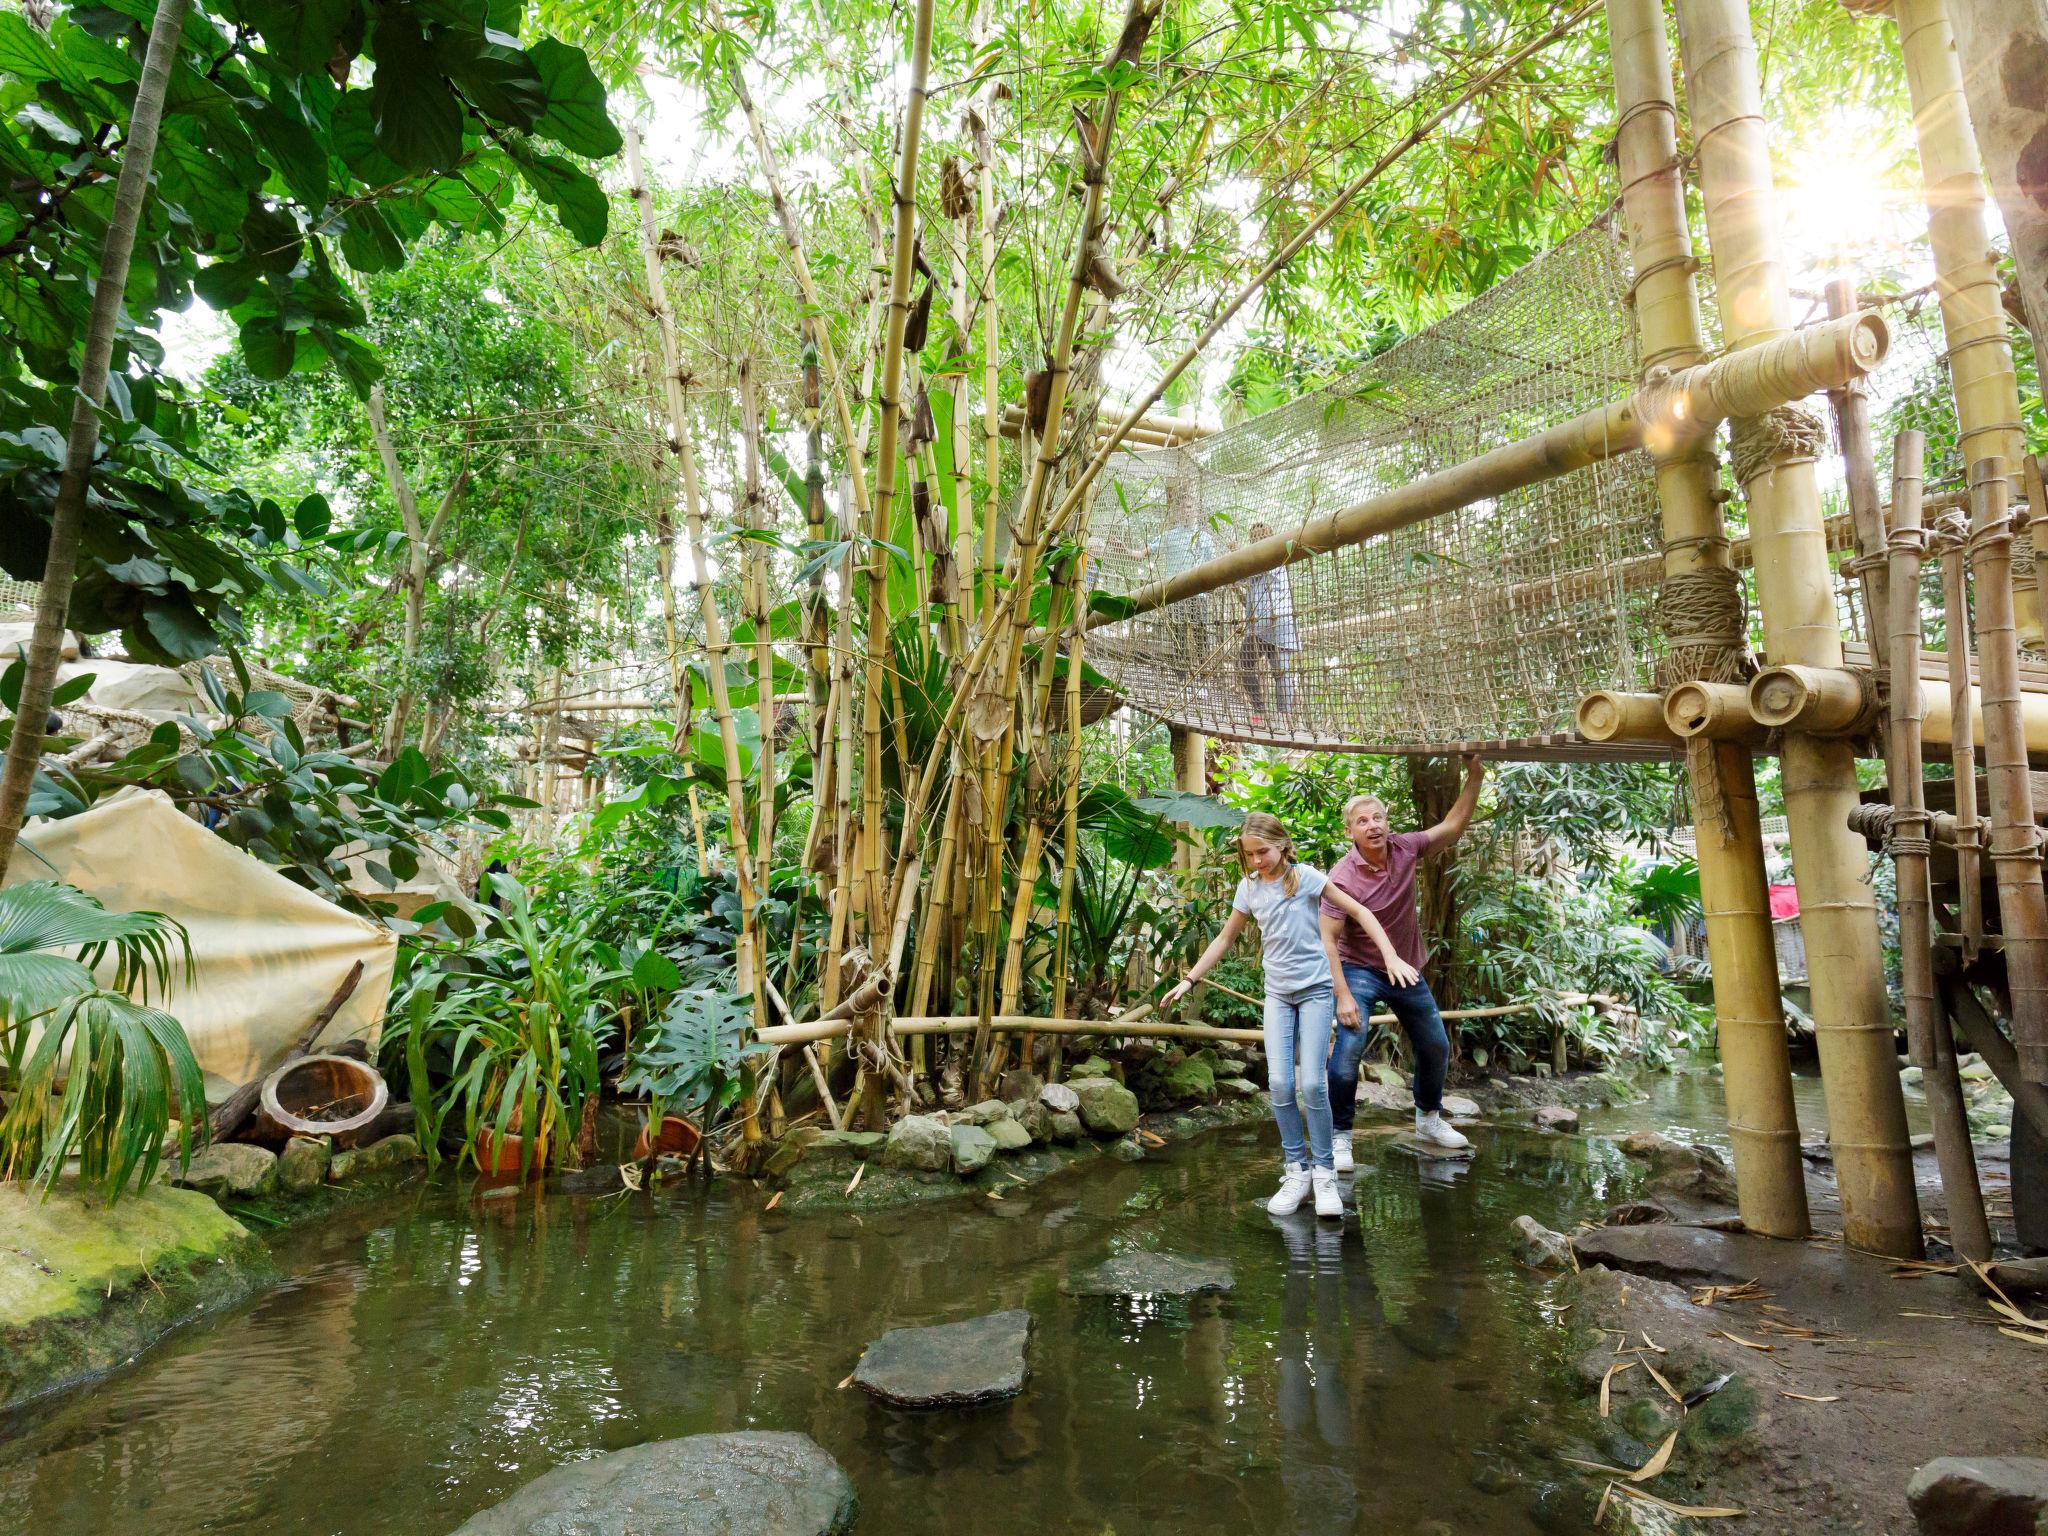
(1415, 1007)
(1297, 1046)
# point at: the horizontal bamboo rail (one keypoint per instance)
(1746, 383)
(1156, 1029)
(1824, 707)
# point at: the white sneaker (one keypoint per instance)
(1438, 1132)
(1294, 1189)
(1329, 1199)
(1340, 1152)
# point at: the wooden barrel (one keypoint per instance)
(332, 1096)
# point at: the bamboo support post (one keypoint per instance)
(1927, 1031)
(1981, 1033)
(1980, 359)
(2015, 844)
(1715, 711)
(1851, 407)
(1749, 1015)
(1610, 715)
(1955, 593)
(1774, 456)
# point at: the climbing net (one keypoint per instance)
(1482, 626)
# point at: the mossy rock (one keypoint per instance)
(1172, 1083)
(85, 1287)
(1094, 1066)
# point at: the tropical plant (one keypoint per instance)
(693, 1056)
(128, 1070)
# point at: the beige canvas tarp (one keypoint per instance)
(268, 953)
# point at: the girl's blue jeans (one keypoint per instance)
(1415, 1006)
(1297, 1072)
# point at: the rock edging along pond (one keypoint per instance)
(85, 1287)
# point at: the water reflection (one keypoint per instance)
(428, 1358)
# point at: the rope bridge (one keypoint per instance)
(1450, 546)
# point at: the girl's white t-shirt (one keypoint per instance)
(1290, 928)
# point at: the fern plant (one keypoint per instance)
(126, 1068)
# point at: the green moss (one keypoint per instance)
(84, 1287)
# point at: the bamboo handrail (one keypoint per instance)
(1751, 382)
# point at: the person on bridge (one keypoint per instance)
(1284, 897)
(1379, 874)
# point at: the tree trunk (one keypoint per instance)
(67, 524)
(2003, 48)
(1433, 784)
(422, 553)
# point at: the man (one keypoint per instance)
(1379, 872)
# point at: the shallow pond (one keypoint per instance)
(431, 1355)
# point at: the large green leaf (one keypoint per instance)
(416, 118)
(191, 177)
(25, 54)
(578, 201)
(576, 116)
(305, 35)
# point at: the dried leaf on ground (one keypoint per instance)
(1695, 1511)
(1736, 1338)
(854, 1183)
(1669, 1390)
(1606, 1381)
(1802, 1397)
(773, 1201)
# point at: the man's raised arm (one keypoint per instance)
(1452, 827)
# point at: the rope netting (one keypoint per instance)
(1483, 625)
(1480, 629)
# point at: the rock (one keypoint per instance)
(302, 1166)
(1066, 1126)
(1975, 1072)
(1019, 1083)
(919, 1141)
(858, 1143)
(984, 1113)
(1556, 1117)
(1008, 1135)
(230, 1168)
(1387, 1075)
(763, 1482)
(1540, 1247)
(1170, 1081)
(1636, 1213)
(1125, 1149)
(1060, 1098)
(1685, 1255)
(1237, 1088)
(1459, 1107)
(787, 1154)
(1980, 1495)
(1151, 1274)
(1108, 1108)
(1910, 1076)
(1034, 1119)
(973, 1147)
(604, 1179)
(1394, 1099)
(949, 1366)
(1680, 1169)
(391, 1155)
(1094, 1066)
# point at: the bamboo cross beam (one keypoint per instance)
(1752, 382)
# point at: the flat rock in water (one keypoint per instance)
(1685, 1255)
(1151, 1274)
(1556, 1117)
(950, 1366)
(1458, 1107)
(1429, 1151)
(763, 1482)
(1980, 1495)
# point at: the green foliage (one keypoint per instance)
(294, 138)
(693, 1055)
(1307, 792)
(128, 1070)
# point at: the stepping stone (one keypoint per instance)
(950, 1366)
(1151, 1274)
(766, 1483)
(1429, 1151)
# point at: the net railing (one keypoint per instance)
(1483, 625)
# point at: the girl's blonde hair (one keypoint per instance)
(1263, 828)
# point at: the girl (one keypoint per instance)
(1283, 896)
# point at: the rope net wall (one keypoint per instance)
(1482, 626)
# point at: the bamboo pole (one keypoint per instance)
(2015, 841)
(755, 520)
(1777, 370)
(1774, 464)
(1981, 1033)
(1713, 711)
(747, 959)
(1973, 319)
(1748, 1012)
(1070, 789)
(1851, 407)
(1955, 596)
(1927, 1030)
(903, 194)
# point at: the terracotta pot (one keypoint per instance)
(496, 1155)
(678, 1138)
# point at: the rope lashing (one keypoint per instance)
(1791, 434)
(1703, 617)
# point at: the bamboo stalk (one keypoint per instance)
(1070, 795)
(1927, 1031)
(982, 130)
(2015, 844)
(1851, 407)
(1980, 361)
(754, 520)
(747, 958)
(1955, 594)
(1866, 1108)
(831, 1105)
